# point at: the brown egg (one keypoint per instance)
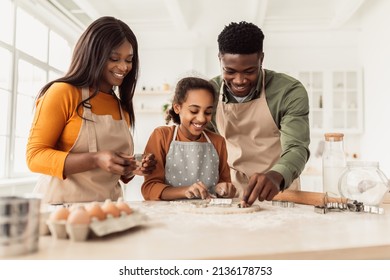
(94, 210)
(60, 214)
(123, 206)
(79, 216)
(110, 208)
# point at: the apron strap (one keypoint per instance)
(175, 134)
(119, 104)
(92, 145)
(207, 138)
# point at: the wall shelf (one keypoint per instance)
(148, 111)
(153, 92)
(151, 102)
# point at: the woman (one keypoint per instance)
(80, 138)
(191, 162)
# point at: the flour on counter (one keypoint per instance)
(267, 217)
(205, 208)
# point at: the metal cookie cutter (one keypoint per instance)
(350, 205)
(373, 209)
(355, 206)
(221, 202)
(321, 209)
(281, 203)
(336, 206)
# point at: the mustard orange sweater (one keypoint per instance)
(56, 126)
(158, 144)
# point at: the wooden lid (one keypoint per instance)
(334, 136)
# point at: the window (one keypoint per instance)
(40, 54)
(31, 35)
(59, 55)
(30, 79)
(6, 19)
(6, 65)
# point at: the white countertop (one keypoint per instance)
(272, 233)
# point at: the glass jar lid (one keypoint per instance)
(333, 136)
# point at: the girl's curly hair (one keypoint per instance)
(181, 91)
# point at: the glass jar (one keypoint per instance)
(364, 181)
(333, 163)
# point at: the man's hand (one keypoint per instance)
(262, 186)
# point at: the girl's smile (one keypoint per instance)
(195, 112)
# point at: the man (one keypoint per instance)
(263, 116)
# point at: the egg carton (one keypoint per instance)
(64, 230)
(112, 225)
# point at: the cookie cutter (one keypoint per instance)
(282, 203)
(349, 205)
(373, 209)
(221, 202)
(321, 209)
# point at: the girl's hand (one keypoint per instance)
(197, 190)
(225, 189)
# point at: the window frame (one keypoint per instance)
(10, 171)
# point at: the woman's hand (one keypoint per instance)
(106, 160)
(148, 164)
(115, 163)
(224, 189)
(197, 190)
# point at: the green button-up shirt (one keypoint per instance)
(288, 102)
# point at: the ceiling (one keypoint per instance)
(202, 20)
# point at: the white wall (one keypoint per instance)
(375, 54)
(311, 50)
(366, 47)
(315, 51)
(161, 65)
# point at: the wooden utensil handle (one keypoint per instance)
(308, 198)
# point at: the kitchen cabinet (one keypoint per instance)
(346, 107)
(314, 84)
(335, 98)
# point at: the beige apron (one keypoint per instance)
(103, 133)
(252, 138)
(190, 162)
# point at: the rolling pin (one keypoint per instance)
(308, 198)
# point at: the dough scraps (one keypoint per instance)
(201, 207)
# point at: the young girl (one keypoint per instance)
(80, 139)
(191, 162)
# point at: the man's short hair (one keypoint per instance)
(240, 38)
